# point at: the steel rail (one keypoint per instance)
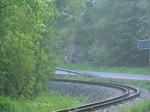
(127, 94)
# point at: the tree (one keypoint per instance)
(26, 55)
(109, 32)
(70, 18)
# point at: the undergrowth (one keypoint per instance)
(45, 102)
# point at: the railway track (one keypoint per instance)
(127, 94)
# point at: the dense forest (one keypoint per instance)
(36, 34)
(104, 32)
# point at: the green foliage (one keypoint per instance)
(26, 46)
(45, 101)
(7, 105)
(116, 29)
(70, 12)
(143, 106)
(107, 32)
(144, 84)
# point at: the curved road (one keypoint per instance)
(110, 75)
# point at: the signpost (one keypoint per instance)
(144, 44)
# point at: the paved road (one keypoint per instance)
(111, 75)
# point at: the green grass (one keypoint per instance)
(132, 70)
(89, 67)
(137, 107)
(45, 102)
(136, 83)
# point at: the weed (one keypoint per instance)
(45, 102)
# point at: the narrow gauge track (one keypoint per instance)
(128, 93)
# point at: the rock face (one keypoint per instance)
(91, 93)
(74, 53)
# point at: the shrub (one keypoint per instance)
(7, 105)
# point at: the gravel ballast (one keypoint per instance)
(93, 93)
(144, 95)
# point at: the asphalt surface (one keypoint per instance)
(110, 75)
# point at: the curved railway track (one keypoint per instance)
(128, 93)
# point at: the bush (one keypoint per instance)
(7, 105)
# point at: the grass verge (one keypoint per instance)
(89, 67)
(137, 83)
(45, 102)
(137, 107)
